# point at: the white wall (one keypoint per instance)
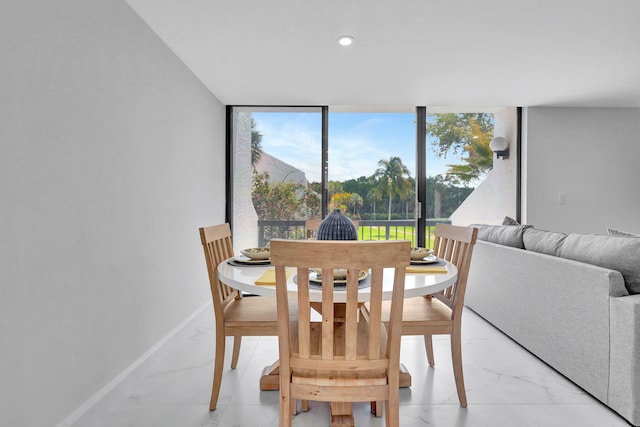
(245, 218)
(590, 154)
(111, 157)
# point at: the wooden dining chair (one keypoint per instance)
(344, 358)
(311, 228)
(234, 315)
(441, 313)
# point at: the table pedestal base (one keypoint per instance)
(270, 378)
(405, 377)
(341, 414)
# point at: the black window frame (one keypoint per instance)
(421, 163)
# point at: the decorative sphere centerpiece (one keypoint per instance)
(337, 226)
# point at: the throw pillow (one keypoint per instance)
(509, 221)
(508, 235)
(614, 232)
(546, 242)
(611, 252)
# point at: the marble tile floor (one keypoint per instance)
(506, 386)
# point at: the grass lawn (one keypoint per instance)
(395, 233)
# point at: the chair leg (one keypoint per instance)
(428, 345)
(305, 406)
(456, 355)
(218, 364)
(376, 408)
(285, 411)
(392, 411)
(237, 340)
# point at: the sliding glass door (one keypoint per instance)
(372, 163)
(466, 182)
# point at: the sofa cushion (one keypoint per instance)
(508, 235)
(545, 242)
(509, 221)
(616, 253)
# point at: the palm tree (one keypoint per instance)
(394, 176)
(375, 194)
(355, 201)
(479, 159)
(468, 133)
(256, 144)
(408, 195)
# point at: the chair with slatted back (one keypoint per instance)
(441, 313)
(311, 228)
(234, 315)
(342, 358)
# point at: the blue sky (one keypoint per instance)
(357, 141)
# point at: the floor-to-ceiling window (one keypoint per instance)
(466, 181)
(276, 162)
(397, 171)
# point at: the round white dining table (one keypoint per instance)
(415, 284)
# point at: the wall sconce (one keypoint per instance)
(500, 146)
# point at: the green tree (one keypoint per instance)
(393, 176)
(374, 194)
(349, 203)
(256, 144)
(355, 203)
(315, 186)
(464, 133)
(311, 204)
(278, 201)
(340, 201)
(479, 158)
(408, 195)
(361, 187)
(444, 196)
(283, 200)
(335, 187)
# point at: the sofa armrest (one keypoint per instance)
(624, 371)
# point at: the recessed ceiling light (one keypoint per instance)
(345, 40)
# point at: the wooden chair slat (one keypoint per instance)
(304, 312)
(351, 315)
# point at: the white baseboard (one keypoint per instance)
(121, 378)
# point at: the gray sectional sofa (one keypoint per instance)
(572, 300)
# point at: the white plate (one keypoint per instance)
(315, 277)
(257, 253)
(426, 260)
(246, 260)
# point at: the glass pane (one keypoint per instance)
(372, 159)
(276, 156)
(462, 186)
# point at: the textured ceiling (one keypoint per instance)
(407, 52)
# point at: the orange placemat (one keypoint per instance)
(268, 278)
(427, 269)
